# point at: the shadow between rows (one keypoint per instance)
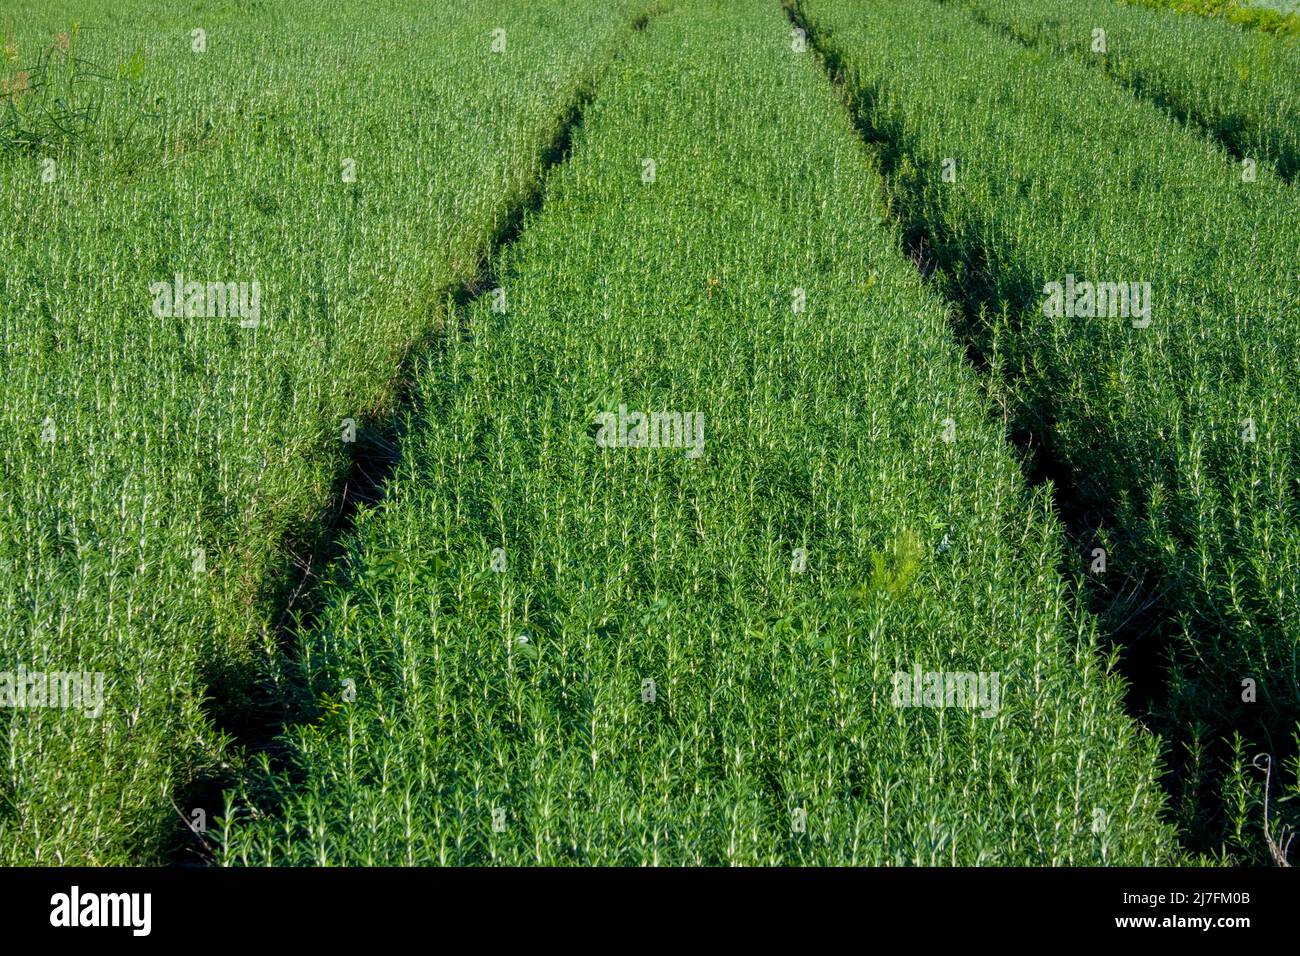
(1138, 613)
(255, 707)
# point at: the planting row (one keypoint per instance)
(222, 233)
(1142, 298)
(1272, 16)
(703, 548)
(1243, 87)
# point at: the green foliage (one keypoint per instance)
(1258, 14)
(1155, 430)
(52, 100)
(1243, 89)
(895, 569)
(171, 435)
(773, 680)
(653, 675)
